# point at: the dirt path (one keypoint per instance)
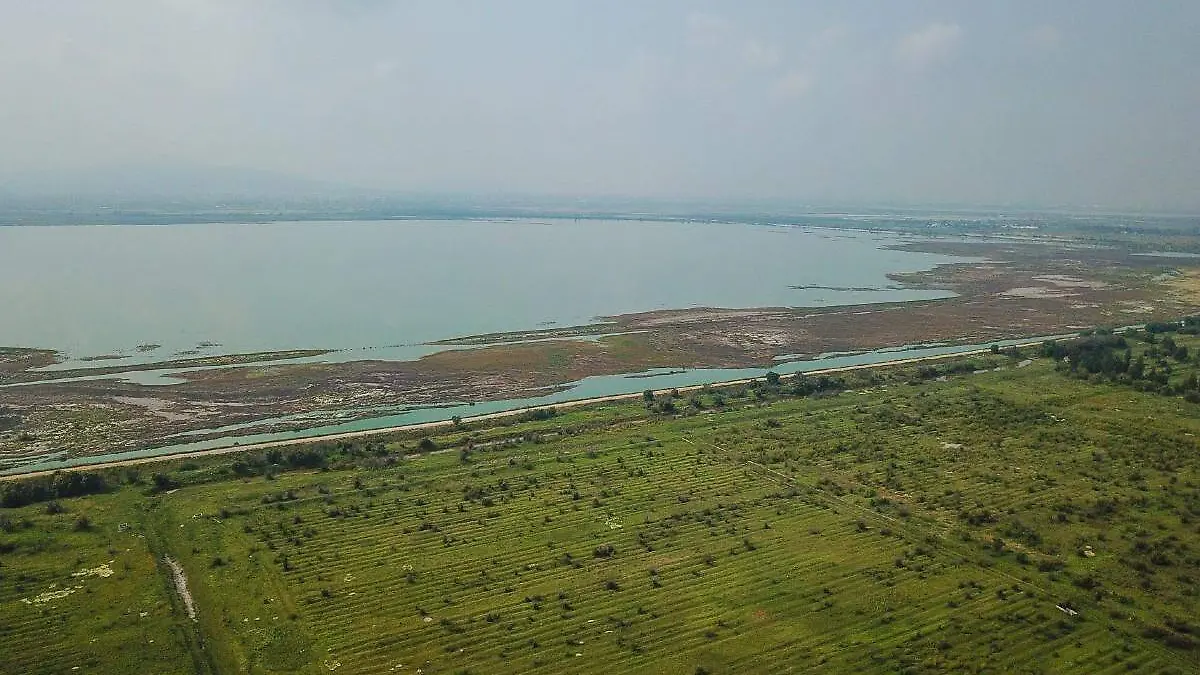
(181, 587)
(477, 418)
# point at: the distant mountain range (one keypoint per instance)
(168, 181)
(173, 192)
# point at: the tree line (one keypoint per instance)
(60, 485)
(1102, 355)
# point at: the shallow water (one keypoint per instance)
(591, 387)
(381, 289)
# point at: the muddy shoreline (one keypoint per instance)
(1021, 289)
(11, 372)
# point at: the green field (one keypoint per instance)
(998, 516)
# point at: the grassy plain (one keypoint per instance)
(1000, 516)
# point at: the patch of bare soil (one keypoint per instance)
(179, 580)
(15, 360)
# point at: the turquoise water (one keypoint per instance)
(590, 387)
(382, 289)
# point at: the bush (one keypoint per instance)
(163, 482)
(538, 415)
(1050, 565)
(306, 459)
(59, 486)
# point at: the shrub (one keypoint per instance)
(163, 482)
(58, 486)
(1050, 565)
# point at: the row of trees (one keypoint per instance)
(772, 385)
(1188, 326)
(61, 485)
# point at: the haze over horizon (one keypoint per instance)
(1082, 103)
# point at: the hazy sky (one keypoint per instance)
(1087, 102)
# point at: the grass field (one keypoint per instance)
(1007, 519)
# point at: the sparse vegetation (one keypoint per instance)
(925, 518)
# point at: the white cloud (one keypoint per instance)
(828, 38)
(761, 55)
(382, 70)
(708, 30)
(1044, 37)
(929, 45)
(445, 97)
(730, 43)
(793, 85)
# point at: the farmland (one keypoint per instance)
(1002, 514)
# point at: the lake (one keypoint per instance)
(378, 285)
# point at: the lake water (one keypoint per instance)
(393, 285)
